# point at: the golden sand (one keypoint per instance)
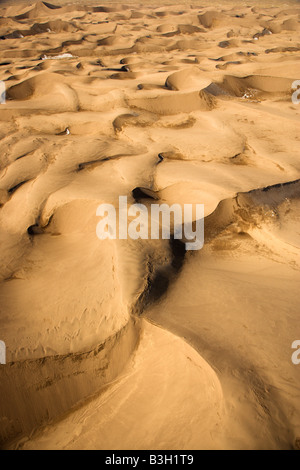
(124, 344)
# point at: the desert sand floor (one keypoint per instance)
(137, 344)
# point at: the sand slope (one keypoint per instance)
(175, 103)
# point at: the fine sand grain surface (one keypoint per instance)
(137, 344)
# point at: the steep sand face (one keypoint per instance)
(170, 103)
(120, 419)
(243, 287)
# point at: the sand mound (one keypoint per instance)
(37, 86)
(291, 25)
(160, 356)
(211, 19)
(288, 12)
(179, 103)
(40, 9)
(189, 29)
(38, 89)
(166, 28)
(273, 26)
(110, 9)
(142, 120)
(111, 41)
(124, 76)
(55, 26)
(251, 85)
(190, 78)
(230, 43)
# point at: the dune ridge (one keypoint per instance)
(137, 344)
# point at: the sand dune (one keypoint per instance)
(116, 408)
(187, 79)
(138, 344)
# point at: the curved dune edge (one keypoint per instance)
(167, 103)
(35, 392)
(251, 261)
(170, 105)
(183, 398)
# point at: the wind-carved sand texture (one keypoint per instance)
(137, 344)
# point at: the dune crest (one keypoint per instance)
(139, 344)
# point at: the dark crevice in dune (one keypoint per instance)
(157, 286)
(161, 158)
(51, 7)
(242, 210)
(179, 252)
(65, 132)
(34, 230)
(38, 228)
(91, 164)
(121, 69)
(95, 163)
(17, 186)
(283, 49)
(144, 193)
(159, 280)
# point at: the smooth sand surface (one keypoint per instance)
(135, 344)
